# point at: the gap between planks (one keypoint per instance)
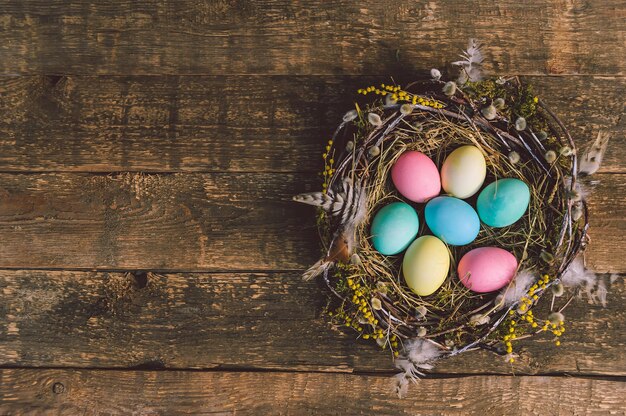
(225, 123)
(264, 321)
(124, 392)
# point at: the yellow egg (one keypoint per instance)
(425, 265)
(463, 172)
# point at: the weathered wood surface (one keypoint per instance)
(196, 222)
(85, 392)
(228, 105)
(307, 37)
(243, 321)
(228, 123)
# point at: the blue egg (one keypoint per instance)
(394, 227)
(454, 221)
(503, 202)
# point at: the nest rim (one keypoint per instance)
(462, 111)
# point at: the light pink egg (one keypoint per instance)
(416, 177)
(486, 269)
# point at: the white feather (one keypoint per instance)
(400, 385)
(579, 192)
(592, 159)
(517, 289)
(419, 354)
(471, 62)
(317, 269)
(577, 275)
(601, 292)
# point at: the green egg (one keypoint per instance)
(394, 227)
(503, 202)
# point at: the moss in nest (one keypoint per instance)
(373, 298)
(525, 101)
(487, 88)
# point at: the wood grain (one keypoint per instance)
(138, 221)
(200, 222)
(228, 123)
(232, 321)
(124, 37)
(84, 392)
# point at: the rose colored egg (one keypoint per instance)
(416, 177)
(486, 269)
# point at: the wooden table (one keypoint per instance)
(150, 258)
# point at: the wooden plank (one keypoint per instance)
(200, 222)
(227, 123)
(337, 37)
(71, 392)
(244, 321)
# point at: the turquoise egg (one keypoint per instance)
(454, 221)
(394, 227)
(503, 202)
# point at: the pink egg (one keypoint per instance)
(486, 269)
(416, 177)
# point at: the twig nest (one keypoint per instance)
(453, 198)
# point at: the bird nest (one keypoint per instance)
(519, 137)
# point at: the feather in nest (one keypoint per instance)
(348, 205)
(419, 354)
(471, 63)
(591, 160)
(577, 275)
(517, 289)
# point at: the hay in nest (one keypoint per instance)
(520, 137)
(370, 294)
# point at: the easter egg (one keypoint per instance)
(452, 220)
(394, 227)
(463, 172)
(416, 177)
(503, 202)
(426, 264)
(486, 269)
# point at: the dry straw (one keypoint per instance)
(523, 139)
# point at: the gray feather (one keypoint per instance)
(347, 202)
(471, 62)
(592, 159)
(317, 269)
(317, 199)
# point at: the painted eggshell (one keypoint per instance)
(394, 227)
(452, 220)
(486, 269)
(503, 202)
(463, 172)
(416, 177)
(426, 264)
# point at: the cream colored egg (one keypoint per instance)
(463, 172)
(426, 264)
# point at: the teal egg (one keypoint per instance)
(394, 227)
(503, 202)
(454, 221)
